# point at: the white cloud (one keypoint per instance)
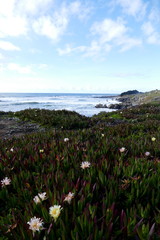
(108, 34)
(19, 69)
(49, 27)
(81, 10)
(16, 16)
(23, 7)
(54, 26)
(7, 7)
(68, 49)
(11, 23)
(13, 26)
(96, 49)
(34, 6)
(108, 29)
(19, 17)
(114, 33)
(148, 28)
(136, 8)
(127, 43)
(4, 45)
(153, 37)
(154, 14)
(93, 50)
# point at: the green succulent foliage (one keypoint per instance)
(51, 118)
(117, 197)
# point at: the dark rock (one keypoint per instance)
(115, 106)
(118, 106)
(101, 105)
(156, 99)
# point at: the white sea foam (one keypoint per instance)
(81, 103)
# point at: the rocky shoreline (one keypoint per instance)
(11, 126)
(133, 98)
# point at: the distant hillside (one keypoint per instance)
(129, 92)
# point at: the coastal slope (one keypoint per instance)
(130, 100)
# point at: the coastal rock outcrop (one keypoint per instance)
(133, 98)
(100, 105)
(118, 106)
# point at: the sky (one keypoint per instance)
(79, 46)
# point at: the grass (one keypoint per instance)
(117, 197)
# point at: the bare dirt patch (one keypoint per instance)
(13, 127)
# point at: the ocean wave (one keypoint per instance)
(81, 103)
(25, 103)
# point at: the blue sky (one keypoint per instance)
(99, 46)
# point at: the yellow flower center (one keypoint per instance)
(35, 225)
(54, 212)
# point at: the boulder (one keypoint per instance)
(100, 105)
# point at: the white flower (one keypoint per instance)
(41, 150)
(147, 154)
(35, 224)
(36, 199)
(66, 139)
(153, 139)
(40, 197)
(11, 149)
(102, 134)
(69, 197)
(55, 211)
(6, 181)
(122, 149)
(85, 165)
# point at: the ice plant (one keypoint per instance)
(40, 197)
(69, 197)
(55, 211)
(123, 149)
(153, 139)
(5, 181)
(66, 139)
(85, 164)
(35, 224)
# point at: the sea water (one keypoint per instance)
(83, 104)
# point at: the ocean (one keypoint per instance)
(81, 103)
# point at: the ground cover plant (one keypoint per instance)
(59, 119)
(100, 181)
